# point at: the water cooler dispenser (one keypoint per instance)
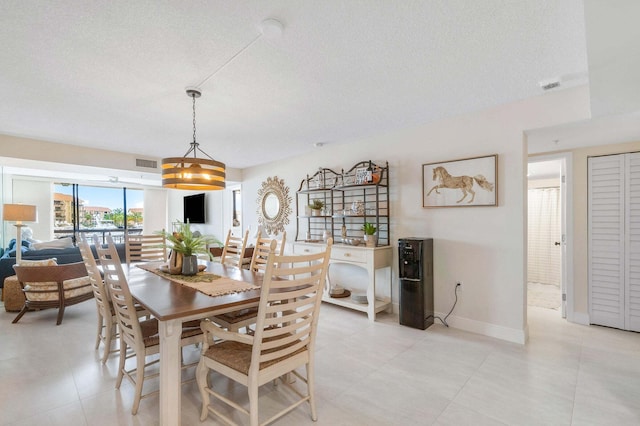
(415, 256)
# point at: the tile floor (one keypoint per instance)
(367, 374)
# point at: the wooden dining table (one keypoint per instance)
(172, 304)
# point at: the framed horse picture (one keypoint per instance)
(457, 183)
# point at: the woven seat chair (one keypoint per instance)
(283, 341)
(106, 316)
(139, 336)
(234, 321)
(262, 249)
(233, 251)
(145, 248)
(56, 286)
(107, 322)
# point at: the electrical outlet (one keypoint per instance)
(459, 285)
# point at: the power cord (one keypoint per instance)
(444, 320)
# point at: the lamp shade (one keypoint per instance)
(20, 213)
(192, 173)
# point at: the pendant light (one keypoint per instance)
(191, 172)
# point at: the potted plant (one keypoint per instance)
(369, 234)
(316, 206)
(185, 246)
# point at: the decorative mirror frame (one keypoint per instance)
(275, 186)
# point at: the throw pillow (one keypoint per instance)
(59, 243)
(43, 262)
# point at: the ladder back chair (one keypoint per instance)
(233, 251)
(234, 321)
(284, 339)
(262, 249)
(145, 248)
(106, 315)
(141, 336)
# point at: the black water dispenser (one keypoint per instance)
(415, 256)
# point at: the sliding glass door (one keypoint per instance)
(97, 211)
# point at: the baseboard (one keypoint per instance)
(580, 318)
(483, 328)
(491, 330)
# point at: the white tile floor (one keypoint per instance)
(367, 374)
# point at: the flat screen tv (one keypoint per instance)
(194, 208)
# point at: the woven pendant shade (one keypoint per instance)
(191, 172)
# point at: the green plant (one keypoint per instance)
(317, 204)
(369, 228)
(185, 242)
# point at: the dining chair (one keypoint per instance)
(107, 321)
(262, 249)
(235, 321)
(141, 336)
(233, 251)
(283, 341)
(106, 314)
(145, 248)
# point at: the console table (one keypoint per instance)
(369, 258)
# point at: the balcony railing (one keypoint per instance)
(116, 233)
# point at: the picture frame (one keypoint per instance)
(361, 175)
(468, 182)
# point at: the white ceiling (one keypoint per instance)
(112, 74)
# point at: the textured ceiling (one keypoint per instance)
(112, 74)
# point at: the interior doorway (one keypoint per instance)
(548, 284)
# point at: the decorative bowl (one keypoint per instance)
(352, 241)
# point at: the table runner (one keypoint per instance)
(207, 283)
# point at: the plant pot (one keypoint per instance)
(190, 265)
(370, 240)
(316, 212)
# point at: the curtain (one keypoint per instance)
(543, 261)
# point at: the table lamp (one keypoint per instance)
(19, 213)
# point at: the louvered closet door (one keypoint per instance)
(632, 247)
(606, 241)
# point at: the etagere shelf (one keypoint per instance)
(349, 199)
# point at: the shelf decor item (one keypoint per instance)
(316, 207)
(457, 183)
(370, 234)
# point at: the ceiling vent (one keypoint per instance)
(150, 164)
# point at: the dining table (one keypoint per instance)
(173, 303)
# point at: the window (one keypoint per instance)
(237, 207)
(96, 210)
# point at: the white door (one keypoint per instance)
(614, 241)
(632, 246)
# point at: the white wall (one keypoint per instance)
(40, 194)
(484, 247)
(214, 211)
(155, 211)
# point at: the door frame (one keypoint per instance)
(566, 201)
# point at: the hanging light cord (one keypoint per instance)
(195, 144)
(229, 60)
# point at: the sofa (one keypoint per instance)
(62, 256)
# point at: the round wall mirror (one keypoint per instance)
(271, 206)
(274, 205)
